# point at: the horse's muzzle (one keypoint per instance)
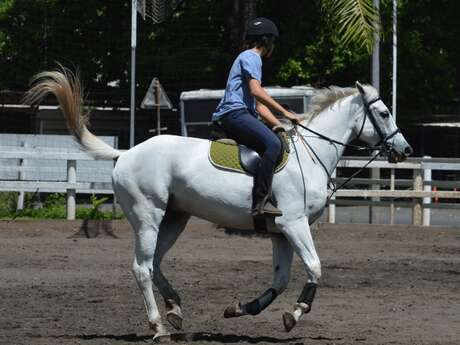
(395, 156)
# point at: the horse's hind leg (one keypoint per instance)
(145, 215)
(146, 240)
(171, 227)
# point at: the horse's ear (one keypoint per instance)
(360, 88)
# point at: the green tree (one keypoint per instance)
(429, 54)
(311, 51)
(34, 34)
(356, 21)
(192, 50)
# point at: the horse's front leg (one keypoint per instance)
(282, 260)
(299, 235)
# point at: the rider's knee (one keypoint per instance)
(277, 145)
(274, 149)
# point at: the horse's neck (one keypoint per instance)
(336, 122)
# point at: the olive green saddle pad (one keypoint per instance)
(227, 156)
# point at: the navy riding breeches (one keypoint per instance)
(245, 129)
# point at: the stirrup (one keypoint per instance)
(268, 209)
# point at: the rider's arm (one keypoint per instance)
(263, 97)
(267, 115)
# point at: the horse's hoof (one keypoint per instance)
(288, 321)
(162, 338)
(233, 310)
(175, 319)
(161, 334)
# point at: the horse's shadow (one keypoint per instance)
(228, 338)
(191, 337)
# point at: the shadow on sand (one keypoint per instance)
(191, 337)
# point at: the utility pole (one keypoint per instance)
(375, 172)
(394, 92)
(132, 107)
(395, 57)
(376, 55)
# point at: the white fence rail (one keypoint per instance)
(64, 167)
(71, 186)
(418, 192)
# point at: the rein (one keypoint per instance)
(382, 146)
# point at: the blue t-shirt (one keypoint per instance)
(248, 65)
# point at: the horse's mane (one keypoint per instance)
(325, 97)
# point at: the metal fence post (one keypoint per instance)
(331, 213)
(417, 202)
(426, 200)
(71, 192)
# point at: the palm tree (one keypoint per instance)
(356, 20)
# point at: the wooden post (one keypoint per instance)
(331, 213)
(392, 204)
(71, 192)
(426, 200)
(417, 202)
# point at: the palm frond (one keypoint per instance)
(356, 20)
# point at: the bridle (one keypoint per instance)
(383, 146)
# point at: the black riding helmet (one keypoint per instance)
(262, 27)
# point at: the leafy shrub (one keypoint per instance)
(54, 199)
(50, 212)
(95, 213)
(8, 202)
(53, 207)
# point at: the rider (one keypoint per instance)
(244, 100)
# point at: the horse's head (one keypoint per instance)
(377, 126)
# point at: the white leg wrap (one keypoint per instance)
(299, 310)
(290, 318)
(174, 314)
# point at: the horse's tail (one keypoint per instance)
(67, 88)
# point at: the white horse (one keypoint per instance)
(164, 180)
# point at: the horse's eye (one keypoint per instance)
(385, 114)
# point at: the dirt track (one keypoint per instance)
(380, 285)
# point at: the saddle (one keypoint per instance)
(228, 155)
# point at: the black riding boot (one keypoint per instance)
(261, 193)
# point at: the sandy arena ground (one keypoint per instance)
(380, 285)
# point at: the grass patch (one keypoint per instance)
(53, 206)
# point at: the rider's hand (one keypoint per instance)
(279, 128)
(292, 117)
